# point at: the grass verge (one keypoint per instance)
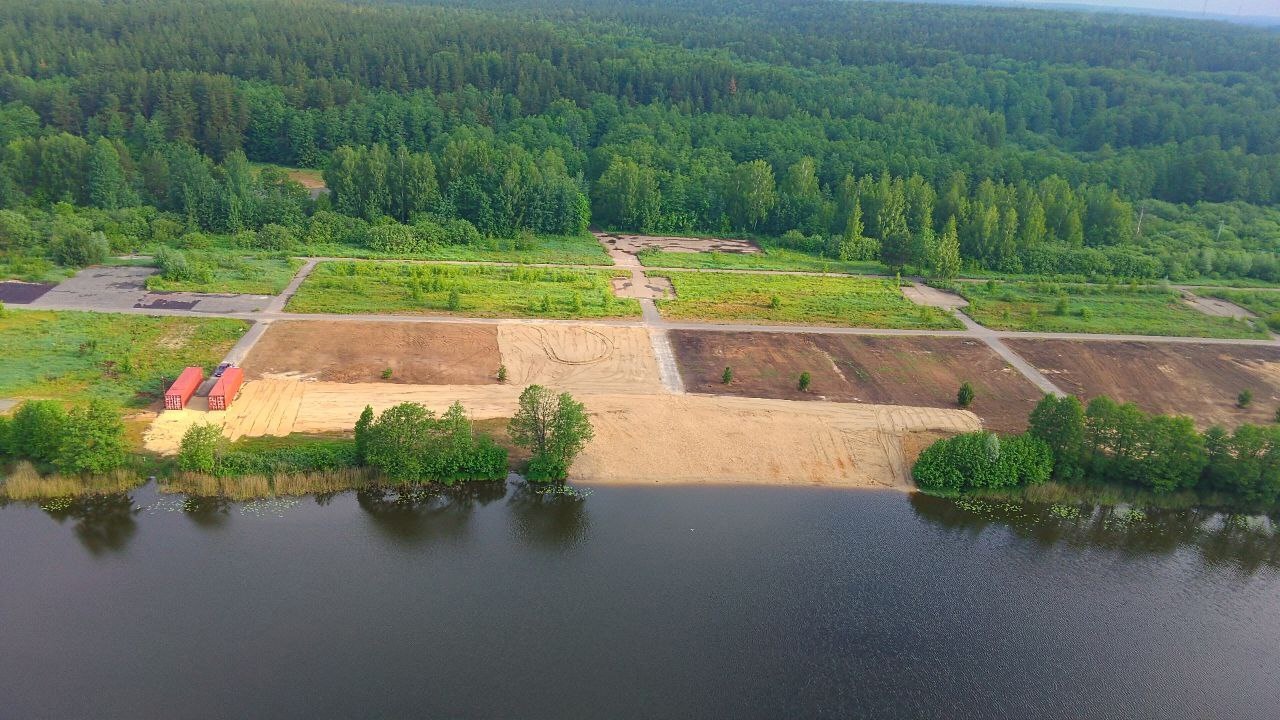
(782, 299)
(1132, 310)
(469, 290)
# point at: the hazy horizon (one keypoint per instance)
(1265, 8)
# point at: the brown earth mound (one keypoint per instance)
(1202, 381)
(422, 353)
(917, 371)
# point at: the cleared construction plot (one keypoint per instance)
(783, 299)
(633, 244)
(914, 371)
(579, 358)
(1202, 381)
(1139, 310)
(639, 438)
(475, 291)
(420, 353)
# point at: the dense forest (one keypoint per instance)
(1033, 141)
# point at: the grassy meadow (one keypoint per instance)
(1133, 310)
(469, 290)
(233, 273)
(71, 356)
(782, 299)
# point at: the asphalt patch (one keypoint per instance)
(22, 293)
(160, 304)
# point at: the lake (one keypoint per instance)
(633, 602)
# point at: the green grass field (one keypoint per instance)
(234, 273)
(853, 302)
(543, 249)
(481, 291)
(1050, 307)
(125, 358)
(767, 259)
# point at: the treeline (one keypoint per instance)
(1113, 444)
(670, 119)
(500, 188)
(87, 440)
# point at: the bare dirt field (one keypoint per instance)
(922, 294)
(641, 286)
(579, 358)
(419, 353)
(914, 371)
(639, 438)
(1202, 381)
(633, 244)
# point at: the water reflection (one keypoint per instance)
(553, 520)
(1245, 543)
(211, 513)
(103, 523)
(426, 515)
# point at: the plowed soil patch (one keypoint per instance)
(1202, 381)
(421, 353)
(915, 371)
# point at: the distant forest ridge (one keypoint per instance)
(1046, 141)
(1247, 12)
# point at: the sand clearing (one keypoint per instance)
(579, 358)
(639, 438)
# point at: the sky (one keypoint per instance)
(1269, 8)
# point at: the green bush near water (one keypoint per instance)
(983, 460)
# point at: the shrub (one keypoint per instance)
(983, 460)
(387, 373)
(502, 373)
(92, 440)
(393, 239)
(362, 432)
(408, 443)
(775, 302)
(461, 232)
(36, 431)
(727, 377)
(804, 382)
(1244, 399)
(75, 247)
(199, 449)
(965, 395)
(274, 237)
(304, 457)
(455, 300)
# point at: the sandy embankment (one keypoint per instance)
(642, 434)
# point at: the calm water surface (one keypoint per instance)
(686, 602)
